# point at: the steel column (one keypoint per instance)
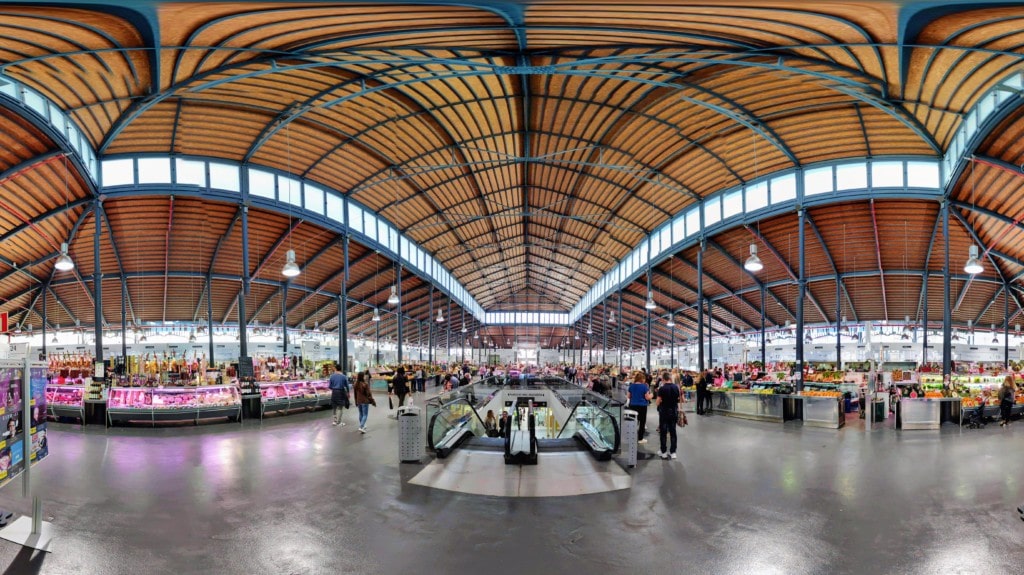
(284, 317)
(711, 335)
(124, 320)
(839, 324)
(700, 308)
(619, 322)
(430, 329)
(243, 338)
(650, 321)
(46, 288)
(924, 311)
(947, 319)
(209, 316)
(97, 284)
(764, 364)
(801, 293)
(398, 313)
(343, 310)
(1006, 327)
(376, 337)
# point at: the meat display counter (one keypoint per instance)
(285, 396)
(173, 404)
(65, 401)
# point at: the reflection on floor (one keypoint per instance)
(556, 475)
(298, 496)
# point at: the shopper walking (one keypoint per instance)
(639, 397)
(668, 414)
(400, 385)
(1006, 398)
(364, 398)
(338, 384)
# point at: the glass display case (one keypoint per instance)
(65, 401)
(156, 404)
(748, 405)
(285, 396)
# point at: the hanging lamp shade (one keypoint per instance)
(393, 298)
(973, 265)
(671, 322)
(464, 330)
(590, 330)
(64, 262)
(649, 304)
(476, 335)
(290, 269)
(376, 314)
(611, 317)
(753, 263)
(440, 316)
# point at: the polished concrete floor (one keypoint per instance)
(298, 496)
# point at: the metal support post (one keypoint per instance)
(801, 294)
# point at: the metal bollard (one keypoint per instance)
(630, 436)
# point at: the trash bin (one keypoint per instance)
(412, 446)
(878, 410)
(630, 436)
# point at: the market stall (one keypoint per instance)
(173, 404)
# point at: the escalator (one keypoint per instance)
(521, 444)
(452, 423)
(592, 425)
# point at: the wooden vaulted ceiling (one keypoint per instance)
(528, 147)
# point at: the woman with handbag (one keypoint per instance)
(364, 399)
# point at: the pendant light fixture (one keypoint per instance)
(291, 269)
(393, 298)
(440, 316)
(192, 337)
(671, 321)
(753, 263)
(376, 314)
(464, 330)
(611, 317)
(54, 340)
(649, 304)
(995, 338)
(973, 265)
(64, 262)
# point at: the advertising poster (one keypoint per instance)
(37, 381)
(11, 456)
(12, 433)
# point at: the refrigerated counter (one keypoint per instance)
(65, 401)
(816, 411)
(173, 404)
(286, 396)
(926, 412)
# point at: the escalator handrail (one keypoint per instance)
(615, 423)
(441, 408)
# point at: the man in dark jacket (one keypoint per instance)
(338, 384)
(400, 385)
(703, 393)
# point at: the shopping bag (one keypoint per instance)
(681, 419)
